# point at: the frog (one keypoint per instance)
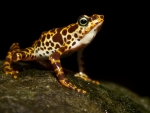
(57, 43)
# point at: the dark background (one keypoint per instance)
(118, 54)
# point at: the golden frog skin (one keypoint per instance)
(56, 43)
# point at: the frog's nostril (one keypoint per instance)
(102, 16)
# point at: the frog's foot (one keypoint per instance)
(68, 84)
(86, 78)
(10, 71)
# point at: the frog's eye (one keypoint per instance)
(83, 21)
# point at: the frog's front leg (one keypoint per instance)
(55, 61)
(15, 54)
(81, 73)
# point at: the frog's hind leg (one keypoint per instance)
(7, 63)
(81, 73)
(15, 54)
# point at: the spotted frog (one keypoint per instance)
(56, 43)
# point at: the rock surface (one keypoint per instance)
(37, 90)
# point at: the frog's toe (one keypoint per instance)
(95, 82)
(10, 71)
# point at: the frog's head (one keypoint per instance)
(84, 30)
(78, 34)
(89, 26)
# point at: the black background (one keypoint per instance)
(119, 53)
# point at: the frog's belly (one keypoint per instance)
(44, 56)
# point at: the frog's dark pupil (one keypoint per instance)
(83, 21)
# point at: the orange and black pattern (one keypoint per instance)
(56, 43)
